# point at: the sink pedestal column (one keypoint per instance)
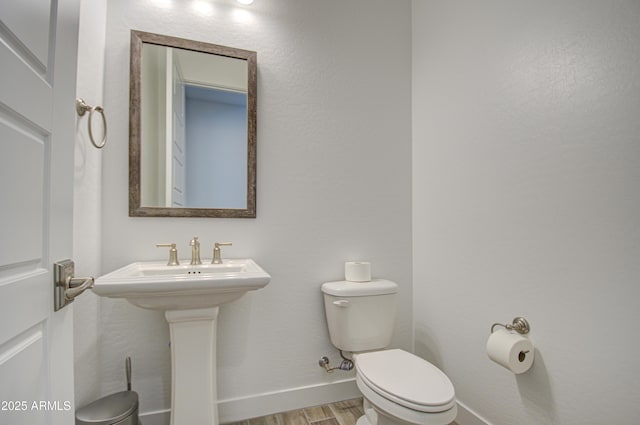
(194, 398)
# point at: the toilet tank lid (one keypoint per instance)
(344, 288)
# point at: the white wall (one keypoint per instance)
(334, 146)
(87, 207)
(526, 154)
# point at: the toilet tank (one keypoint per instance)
(360, 315)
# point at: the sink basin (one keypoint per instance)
(157, 286)
(190, 297)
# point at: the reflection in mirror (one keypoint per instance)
(192, 128)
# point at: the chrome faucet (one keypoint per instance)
(216, 252)
(195, 251)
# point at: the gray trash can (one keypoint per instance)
(115, 409)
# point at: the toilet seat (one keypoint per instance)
(406, 380)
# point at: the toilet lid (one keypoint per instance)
(406, 379)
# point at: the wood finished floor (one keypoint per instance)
(340, 413)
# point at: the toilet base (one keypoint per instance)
(379, 420)
(371, 417)
(376, 415)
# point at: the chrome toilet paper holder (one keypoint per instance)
(519, 325)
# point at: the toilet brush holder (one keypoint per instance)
(115, 409)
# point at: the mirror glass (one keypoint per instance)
(192, 128)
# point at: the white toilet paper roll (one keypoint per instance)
(510, 350)
(357, 271)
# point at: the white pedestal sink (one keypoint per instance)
(190, 296)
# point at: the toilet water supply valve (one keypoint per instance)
(346, 364)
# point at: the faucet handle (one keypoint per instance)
(173, 253)
(217, 259)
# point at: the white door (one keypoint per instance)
(38, 55)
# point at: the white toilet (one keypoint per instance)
(398, 387)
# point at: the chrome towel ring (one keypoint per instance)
(82, 108)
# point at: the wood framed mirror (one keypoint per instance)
(192, 128)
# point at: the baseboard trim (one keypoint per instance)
(159, 417)
(241, 408)
(466, 416)
(237, 409)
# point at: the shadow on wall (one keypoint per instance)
(241, 316)
(536, 393)
(425, 347)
